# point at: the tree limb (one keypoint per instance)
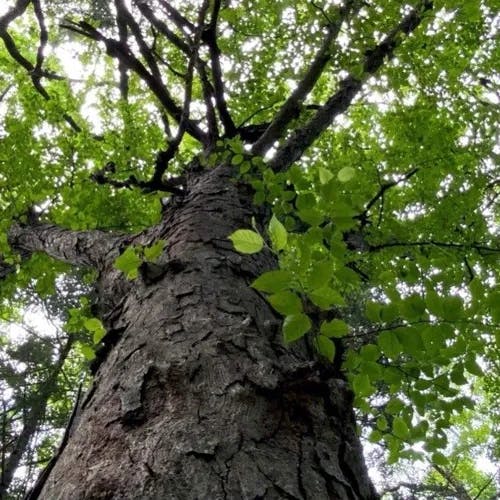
(82, 248)
(291, 108)
(210, 38)
(349, 87)
(36, 72)
(122, 68)
(122, 53)
(481, 249)
(32, 418)
(383, 188)
(147, 12)
(181, 22)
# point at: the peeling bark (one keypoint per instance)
(197, 397)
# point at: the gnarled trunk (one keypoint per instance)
(197, 398)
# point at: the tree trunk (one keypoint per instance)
(197, 397)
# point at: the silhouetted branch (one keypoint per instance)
(122, 53)
(349, 87)
(482, 249)
(165, 156)
(210, 38)
(180, 21)
(36, 72)
(147, 12)
(173, 185)
(383, 188)
(122, 68)
(292, 106)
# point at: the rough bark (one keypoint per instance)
(197, 397)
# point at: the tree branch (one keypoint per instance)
(210, 38)
(33, 417)
(147, 12)
(208, 89)
(181, 22)
(383, 188)
(122, 68)
(82, 248)
(173, 146)
(292, 106)
(349, 87)
(122, 53)
(481, 249)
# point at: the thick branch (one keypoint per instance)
(122, 68)
(122, 53)
(201, 67)
(124, 19)
(82, 248)
(156, 183)
(166, 156)
(349, 87)
(210, 38)
(181, 22)
(291, 108)
(147, 12)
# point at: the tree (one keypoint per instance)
(288, 211)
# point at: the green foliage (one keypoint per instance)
(247, 241)
(385, 232)
(133, 256)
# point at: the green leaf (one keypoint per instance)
(412, 308)
(326, 347)
(335, 328)
(370, 352)
(372, 311)
(247, 241)
(472, 366)
(494, 306)
(152, 253)
(411, 341)
(400, 429)
(320, 274)
(245, 167)
(346, 174)
(128, 263)
(389, 344)
(439, 459)
(457, 375)
(273, 281)
(325, 175)
(361, 385)
(434, 303)
(326, 297)
(237, 159)
(286, 303)
(278, 234)
(452, 308)
(382, 423)
(87, 351)
(295, 326)
(97, 329)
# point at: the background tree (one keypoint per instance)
(340, 158)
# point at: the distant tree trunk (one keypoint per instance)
(32, 417)
(197, 397)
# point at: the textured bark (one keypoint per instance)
(197, 397)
